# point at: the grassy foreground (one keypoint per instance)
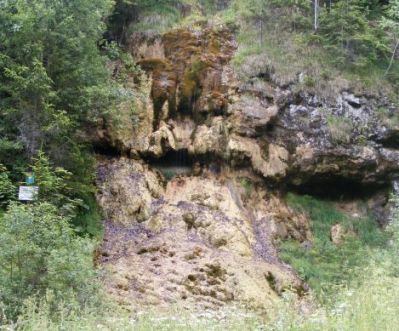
(372, 306)
(369, 300)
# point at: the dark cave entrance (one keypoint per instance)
(181, 162)
(338, 188)
(179, 158)
(372, 198)
(173, 163)
(106, 150)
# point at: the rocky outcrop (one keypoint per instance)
(337, 140)
(198, 103)
(198, 242)
(186, 69)
(207, 236)
(127, 190)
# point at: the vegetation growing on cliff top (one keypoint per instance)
(334, 43)
(353, 44)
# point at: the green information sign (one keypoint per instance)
(30, 179)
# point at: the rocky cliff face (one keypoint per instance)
(196, 241)
(206, 236)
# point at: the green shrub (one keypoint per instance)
(38, 316)
(40, 252)
(168, 174)
(7, 188)
(349, 34)
(370, 303)
(53, 185)
(326, 264)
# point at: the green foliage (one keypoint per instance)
(347, 32)
(37, 316)
(142, 15)
(7, 188)
(390, 22)
(54, 84)
(53, 185)
(39, 252)
(369, 306)
(326, 264)
(350, 44)
(9, 149)
(248, 186)
(168, 174)
(49, 62)
(294, 14)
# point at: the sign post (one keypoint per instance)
(29, 192)
(30, 178)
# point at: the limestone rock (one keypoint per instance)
(207, 237)
(187, 70)
(195, 100)
(161, 141)
(195, 243)
(251, 115)
(245, 148)
(210, 139)
(337, 234)
(127, 189)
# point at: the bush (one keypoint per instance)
(7, 188)
(368, 304)
(39, 252)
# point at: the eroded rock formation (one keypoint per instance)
(206, 237)
(201, 241)
(196, 102)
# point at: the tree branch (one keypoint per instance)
(392, 58)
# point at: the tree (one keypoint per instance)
(316, 13)
(50, 69)
(128, 11)
(53, 186)
(347, 32)
(39, 252)
(285, 14)
(54, 83)
(390, 22)
(7, 188)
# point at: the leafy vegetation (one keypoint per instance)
(39, 254)
(248, 187)
(325, 263)
(354, 42)
(7, 188)
(54, 84)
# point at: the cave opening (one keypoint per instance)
(340, 189)
(178, 158)
(106, 150)
(181, 162)
(173, 163)
(391, 142)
